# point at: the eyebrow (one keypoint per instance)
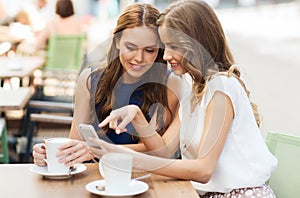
(153, 46)
(170, 43)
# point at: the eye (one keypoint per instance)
(130, 47)
(150, 50)
(174, 47)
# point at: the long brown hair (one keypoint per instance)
(135, 15)
(195, 27)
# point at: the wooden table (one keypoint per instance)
(27, 66)
(21, 67)
(17, 181)
(14, 99)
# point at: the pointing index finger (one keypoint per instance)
(106, 121)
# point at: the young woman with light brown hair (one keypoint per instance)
(216, 128)
(133, 73)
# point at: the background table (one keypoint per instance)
(14, 99)
(27, 66)
(17, 181)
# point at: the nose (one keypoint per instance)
(167, 55)
(139, 56)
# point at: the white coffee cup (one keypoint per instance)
(53, 165)
(116, 169)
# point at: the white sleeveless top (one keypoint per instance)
(245, 160)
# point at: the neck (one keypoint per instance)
(129, 79)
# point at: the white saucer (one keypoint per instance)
(135, 187)
(42, 170)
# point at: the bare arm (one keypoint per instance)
(82, 107)
(158, 145)
(43, 36)
(219, 115)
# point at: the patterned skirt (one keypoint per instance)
(263, 191)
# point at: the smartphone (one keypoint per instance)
(87, 131)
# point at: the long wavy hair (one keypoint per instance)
(195, 27)
(154, 88)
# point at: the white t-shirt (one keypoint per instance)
(245, 160)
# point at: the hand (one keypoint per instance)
(120, 118)
(74, 152)
(39, 154)
(105, 147)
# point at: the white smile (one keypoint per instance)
(136, 67)
(174, 64)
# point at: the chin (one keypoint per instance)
(177, 71)
(134, 76)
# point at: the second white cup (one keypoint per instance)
(53, 165)
(116, 169)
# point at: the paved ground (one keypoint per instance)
(266, 43)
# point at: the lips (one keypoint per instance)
(136, 67)
(174, 65)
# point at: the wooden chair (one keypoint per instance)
(4, 156)
(65, 55)
(285, 180)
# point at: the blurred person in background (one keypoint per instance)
(34, 14)
(41, 13)
(65, 23)
(22, 17)
(3, 13)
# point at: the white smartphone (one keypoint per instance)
(87, 131)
